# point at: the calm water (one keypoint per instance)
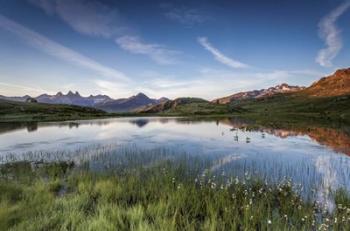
(317, 159)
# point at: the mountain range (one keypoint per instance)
(102, 102)
(337, 84)
(334, 85)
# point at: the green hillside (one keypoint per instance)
(20, 111)
(296, 107)
(188, 107)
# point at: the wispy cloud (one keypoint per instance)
(87, 17)
(57, 50)
(93, 18)
(184, 15)
(331, 35)
(160, 54)
(220, 56)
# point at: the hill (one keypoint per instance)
(326, 100)
(334, 85)
(187, 106)
(296, 107)
(22, 111)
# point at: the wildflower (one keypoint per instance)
(269, 222)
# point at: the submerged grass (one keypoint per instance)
(166, 196)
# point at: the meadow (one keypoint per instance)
(157, 195)
(12, 111)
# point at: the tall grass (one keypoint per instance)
(165, 196)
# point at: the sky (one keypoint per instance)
(198, 48)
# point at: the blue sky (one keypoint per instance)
(177, 48)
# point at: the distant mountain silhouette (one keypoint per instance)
(128, 104)
(73, 99)
(15, 98)
(102, 102)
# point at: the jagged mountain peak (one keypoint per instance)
(71, 93)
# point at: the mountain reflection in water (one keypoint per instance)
(316, 158)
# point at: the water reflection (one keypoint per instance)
(336, 139)
(140, 122)
(311, 157)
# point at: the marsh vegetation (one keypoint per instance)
(171, 174)
(164, 196)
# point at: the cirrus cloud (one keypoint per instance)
(159, 53)
(86, 17)
(331, 35)
(57, 50)
(219, 56)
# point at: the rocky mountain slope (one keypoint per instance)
(283, 88)
(334, 85)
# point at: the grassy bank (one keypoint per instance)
(279, 110)
(58, 196)
(297, 108)
(11, 111)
